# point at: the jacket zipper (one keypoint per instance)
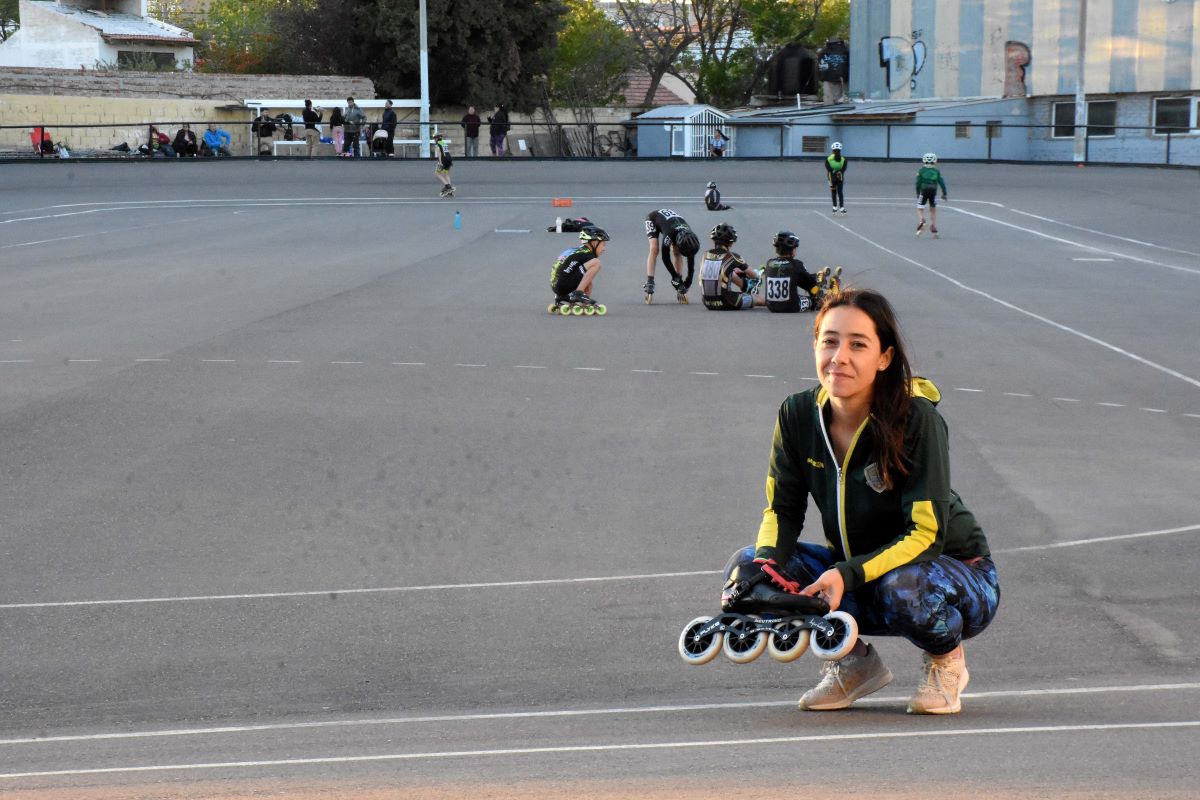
(841, 476)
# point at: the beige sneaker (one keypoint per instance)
(941, 687)
(847, 680)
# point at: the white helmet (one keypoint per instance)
(711, 185)
(836, 146)
(929, 158)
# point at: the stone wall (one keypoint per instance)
(179, 85)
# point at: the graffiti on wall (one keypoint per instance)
(902, 59)
(1016, 60)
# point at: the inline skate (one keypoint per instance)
(648, 288)
(680, 291)
(577, 304)
(758, 616)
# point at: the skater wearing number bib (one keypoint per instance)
(902, 553)
(728, 282)
(678, 242)
(790, 287)
(575, 270)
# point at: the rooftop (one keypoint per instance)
(115, 26)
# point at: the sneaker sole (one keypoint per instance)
(954, 709)
(862, 691)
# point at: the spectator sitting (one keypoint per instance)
(160, 144)
(185, 142)
(216, 141)
(264, 128)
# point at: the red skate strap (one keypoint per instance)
(770, 569)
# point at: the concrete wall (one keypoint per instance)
(59, 42)
(974, 48)
(1128, 146)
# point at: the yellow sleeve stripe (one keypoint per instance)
(768, 531)
(908, 548)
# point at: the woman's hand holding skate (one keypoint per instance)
(830, 586)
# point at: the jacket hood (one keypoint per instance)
(923, 387)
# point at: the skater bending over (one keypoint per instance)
(441, 155)
(678, 242)
(712, 198)
(790, 287)
(902, 553)
(929, 178)
(574, 273)
(835, 176)
(727, 281)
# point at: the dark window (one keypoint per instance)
(141, 59)
(993, 128)
(962, 130)
(814, 144)
(1172, 114)
(1064, 120)
(1102, 118)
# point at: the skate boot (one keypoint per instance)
(935, 233)
(847, 680)
(561, 305)
(920, 227)
(582, 304)
(648, 288)
(680, 291)
(450, 191)
(445, 191)
(835, 280)
(941, 685)
(842, 210)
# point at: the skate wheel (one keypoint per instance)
(741, 645)
(649, 299)
(564, 311)
(788, 641)
(589, 311)
(577, 310)
(550, 309)
(695, 649)
(601, 310)
(839, 645)
(837, 272)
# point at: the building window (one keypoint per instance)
(993, 128)
(1174, 115)
(962, 129)
(143, 59)
(1101, 119)
(814, 144)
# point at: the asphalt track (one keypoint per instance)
(305, 495)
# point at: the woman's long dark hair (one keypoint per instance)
(892, 391)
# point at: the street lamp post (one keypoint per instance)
(1080, 96)
(424, 22)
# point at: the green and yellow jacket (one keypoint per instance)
(872, 528)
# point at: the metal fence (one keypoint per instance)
(976, 140)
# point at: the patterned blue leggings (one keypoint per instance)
(934, 604)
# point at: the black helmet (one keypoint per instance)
(591, 233)
(686, 242)
(786, 240)
(723, 233)
(711, 185)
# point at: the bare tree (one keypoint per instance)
(663, 31)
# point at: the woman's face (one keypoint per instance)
(848, 353)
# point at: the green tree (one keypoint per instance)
(483, 52)
(733, 42)
(10, 18)
(240, 36)
(662, 32)
(592, 58)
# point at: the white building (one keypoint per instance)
(81, 34)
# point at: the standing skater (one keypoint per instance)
(727, 282)
(790, 287)
(835, 176)
(902, 554)
(441, 155)
(575, 270)
(676, 235)
(929, 178)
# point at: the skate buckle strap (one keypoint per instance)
(770, 569)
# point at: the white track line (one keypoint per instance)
(815, 739)
(1073, 243)
(1104, 233)
(1018, 309)
(516, 584)
(686, 708)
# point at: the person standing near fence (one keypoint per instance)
(498, 131)
(337, 130)
(470, 125)
(355, 119)
(389, 127)
(835, 176)
(312, 137)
